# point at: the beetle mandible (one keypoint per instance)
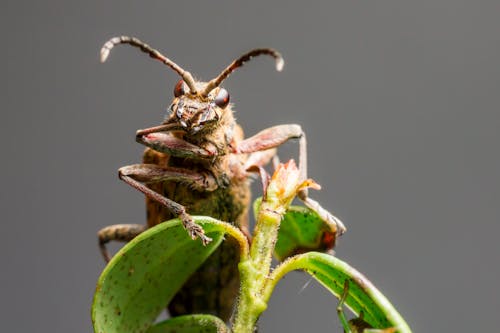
(198, 162)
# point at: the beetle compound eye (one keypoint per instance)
(179, 89)
(222, 99)
(171, 109)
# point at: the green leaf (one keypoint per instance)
(362, 295)
(302, 230)
(146, 273)
(190, 324)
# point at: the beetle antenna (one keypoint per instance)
(239, 62)
(155, 54)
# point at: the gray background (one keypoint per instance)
(400, 100)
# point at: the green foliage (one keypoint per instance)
(362, 296)
(301, 230)
(146, 273)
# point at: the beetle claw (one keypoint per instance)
(194, 230)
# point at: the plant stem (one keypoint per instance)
(254, 272)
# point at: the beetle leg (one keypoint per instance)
(117, 232)
(138, 175)
(356, 325)
(273, 137)
(153, 173)
(335, 223)
(260, 158)
(167, 143)
(340, 309)
(160, 128)
(277, 135)
(159, 139)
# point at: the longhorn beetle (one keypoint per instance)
(197, 162)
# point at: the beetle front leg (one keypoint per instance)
(136, 175)
(275, 136)
(167, 143)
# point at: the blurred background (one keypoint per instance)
(399, 99)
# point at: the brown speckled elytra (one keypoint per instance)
(198, 162)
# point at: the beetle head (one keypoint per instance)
(196, 112)
(197, 105)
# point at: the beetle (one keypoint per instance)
(198, 162)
